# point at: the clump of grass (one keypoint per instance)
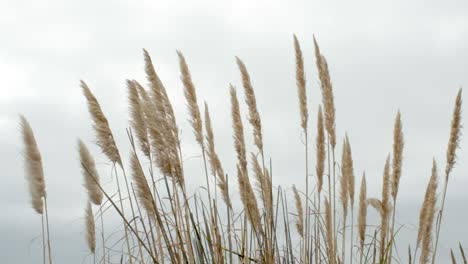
(168, 223)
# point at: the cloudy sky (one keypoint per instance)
(384, 56)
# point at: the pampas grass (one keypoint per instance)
(169, 222)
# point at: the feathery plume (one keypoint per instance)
(320, 145)
(90, 229)
(161, 100)
(191, 97)
(455, 133)
(104, 138)
(398, 143)
(362, 212)
(262, 182)
(239, 141)
(215, 163)
(327, 94)
(329, 231)
(248, 200)
(33, 166)
(137, 117)
(254, 116)
(344, 180)
(301, 84)
(374, 202)
(300, 212)
(349, 169)
(142, 188)
(385, 212)
(426, 217)
(90, 174)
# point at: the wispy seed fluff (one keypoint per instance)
(33, 166)
(90, 174)
(254, 116)
(191, 97)
(398, 144)
(327, 94)
(455, 132)
(104, 137)
(301, 84)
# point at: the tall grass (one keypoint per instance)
(163, 222)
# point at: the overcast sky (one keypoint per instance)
(384, 56)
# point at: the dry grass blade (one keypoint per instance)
(300, 213)
(33, 166)
(254, 116)
(301, 84)
(462, 252)
(104, 138)
(328, 100)
(320, 145)
(90, 229)
(137, 117)
(88, 165)
(452, 256)
(191, 97)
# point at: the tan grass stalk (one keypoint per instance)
(320, 145)
(362, 215)
(104, 137)
(427, 215)
(215, 163)
(137, 117)
(300, 213)
(33, 167)
(455, 134)
(254, 116)
(90, 229)
(89, 167)
(261, 181)
(301, 84)
(191, 97)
